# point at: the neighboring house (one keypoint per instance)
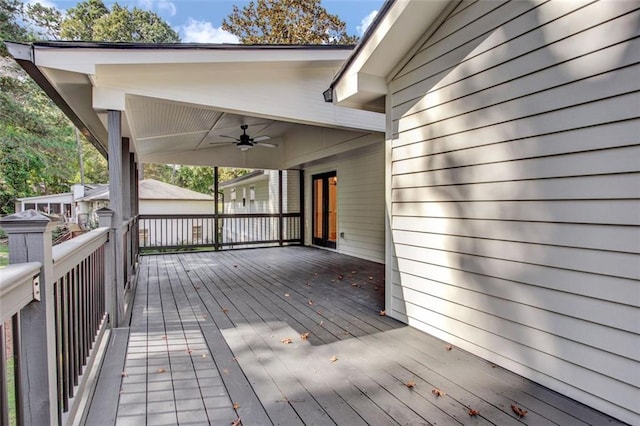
(69, 205)
(257, 193)
(156, 198)
(512, 165)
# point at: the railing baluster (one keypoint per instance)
(4, 383)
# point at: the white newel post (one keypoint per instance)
(30, 241)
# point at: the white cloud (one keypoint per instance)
(169, 7)
(45, 3)
(366, 21)
(165, 6)
(204, 32)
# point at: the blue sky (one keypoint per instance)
(199, 20)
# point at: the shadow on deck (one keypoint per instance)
(294, 336)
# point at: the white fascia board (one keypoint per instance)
(394, 36)
(84, 60)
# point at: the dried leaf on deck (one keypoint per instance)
(124, 374)
(161, 370)
(310, 302)
(340, 277)
(519, 411)
(189, 351)
(286, 295)
(371, 278)
(203, 355)
(410, 384)
(333, 358)
(448, 347)
(382, 313)
(236, 422)
(164, 337)
(438, 392)
(304, 336)
(353, 272)
(225, 310)
(286, 340)
(236, 405)
(473, 412)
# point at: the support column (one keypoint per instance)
(30, 241)
(116, 203)
(302, 205)
(280, 217)
(216, 210)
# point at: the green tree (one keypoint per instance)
(286, 22)
(46, 21)
(91, 20)
(10, 29)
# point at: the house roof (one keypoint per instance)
(249, 177)
(362, 81)
(180, 103)
(151, 189)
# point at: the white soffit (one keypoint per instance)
(364, 81)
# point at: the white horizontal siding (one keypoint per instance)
(514, 179)
(360, 204)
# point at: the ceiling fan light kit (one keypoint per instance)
(244, 142)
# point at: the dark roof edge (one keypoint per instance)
(367, 35)
(248, 176)
(24, 55)
(188, 46)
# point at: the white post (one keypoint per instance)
(30, 241)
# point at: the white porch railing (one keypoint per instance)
(62, 301)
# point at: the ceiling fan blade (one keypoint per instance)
(266, 145)
(230, 137)
(261, 138)
(223, 143)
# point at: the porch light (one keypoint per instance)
(328, 95)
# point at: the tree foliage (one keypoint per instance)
(286, 22)
(91, 20)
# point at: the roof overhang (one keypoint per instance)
(179, 101)
(362, 81)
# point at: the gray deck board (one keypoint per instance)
(205, 347)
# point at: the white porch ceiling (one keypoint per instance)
(178, 101)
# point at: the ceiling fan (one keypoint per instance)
(244, 142)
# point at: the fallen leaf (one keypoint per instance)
(161, 370)
(410, 384)
(286, 341)
(310, 302)
(355, 285)
(304, 336)
(333, 358)
(164, 337)
(340, 277)
(286, 295)
(235, 266)
(225, 310)
(473, 412)
(376, 288)
(438, 392)
(124, 374)
(333, 281)
(382, 313)
(236, 405)
(370, 278)
(307, 284)
(189, 351)
(353, 272)
(203, 355)
(321, 323)
(519, 411)
(236, 422)
(225, 371)
(448, 347)
(197, 287)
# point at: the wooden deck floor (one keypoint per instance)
(217, 337)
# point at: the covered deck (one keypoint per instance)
(295, 335)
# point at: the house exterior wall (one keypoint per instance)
(360, 204)
(513, 185)
(177, 231)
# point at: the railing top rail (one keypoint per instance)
(212, 216)
(17, 287)
(71, 252)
